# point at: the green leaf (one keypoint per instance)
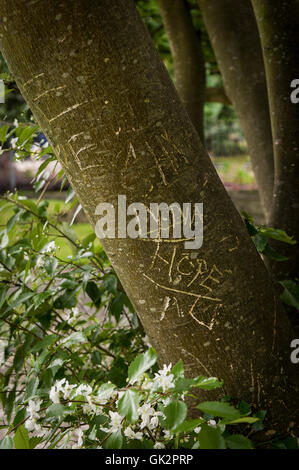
(75, 338)
(291, 443)
(3, 133)
(260, 241)
(19, 417)
(4, 240)
(21, 439)
(178, 370)
(175, 413)
(141, 364)
(96, 357)
(272, 254)
(44, 343)
(218, 408)
(237, 441)
(31, 387)
(207, 383)
(94, 293)
(3, 293)
(6, 443)
(18, 359)
(34, 441)
(188, 426)
(66, 300)
(40, 298)
(249, 222)
(88, 239)
(56, 410)
(110, 284)
(50, 265)
(117, 305)
(30, 205)
(259, 426)
(22, 298)
(128, 405)
(9, 404)
(114, 441)
(277, 234)
(210, 438)
(246, 419)
(290, 295)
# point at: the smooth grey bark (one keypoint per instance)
(188, 59)
(234, 36)
(278, 23)
(97, 86)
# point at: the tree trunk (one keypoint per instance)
(278, 23)
(234, 36)
(98, 88)
(188, 59)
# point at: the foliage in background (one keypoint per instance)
(261, 236)
(77, 368)
(222, 128)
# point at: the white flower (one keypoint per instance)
(212, 423)
(163, 379)
(116, 421)
(13, 142)
(39, 262)
(145, 411)
(16, 123)
(49, 247)
(79, 441)
(159, 445)
(80, 437)
(167, 434)
(30, 424)
(105, 395)
(84, 390)
(54, 395)
(75, 312)
(89, 407)
(197, 430)
(56, 389)
(130, 434)
(165, 369)
(67, 390)
(154, 422)
(34, 407)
